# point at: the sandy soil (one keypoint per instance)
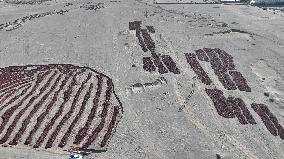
(172, 119)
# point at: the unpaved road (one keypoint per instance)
(165, 114)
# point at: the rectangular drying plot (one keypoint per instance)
(195, 65)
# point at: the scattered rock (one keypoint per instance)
(92, 6)
(5, 145)
(266, 94)
(180, 109)
(9, 26)
(218, 156)
(25, 2)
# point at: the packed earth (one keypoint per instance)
(157, 79)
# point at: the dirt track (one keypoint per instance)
(194, 80)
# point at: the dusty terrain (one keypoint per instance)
(168, 91)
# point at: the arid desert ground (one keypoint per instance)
(136, 79)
